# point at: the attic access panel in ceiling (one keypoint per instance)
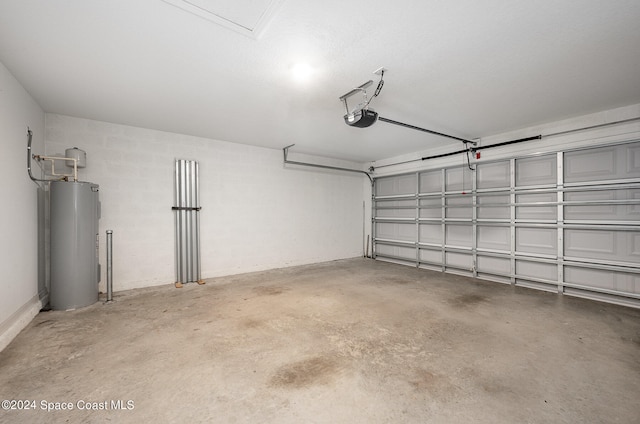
(248, 17)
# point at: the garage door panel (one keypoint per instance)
(458, 235)
(493, 212)
(587, 195)
(459, 207)
(493, 175)
(395, 231)
(459, 260)
(608, 212)
(431, 233)
(602, 244)
(601, 212)
(395, 203)
(406, 232)
(492, 265)
(396, 251)
(496, 278)
(431, 256)
(537, 240)
(490, 212)
(494, 238)
(396, 213)
(458, 179)
(536, 171)
(633, 163)
(634, 210)
(590, 165)
(431, 208)
(398, 185)
(634, 242)
(603, 279)
(536, 270)
(549, 287)
(603, 163)
(406, 209)
(537, 212)
(431, 182)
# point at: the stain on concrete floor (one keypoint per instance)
(269, 290)
(317, 370)
(468, 299)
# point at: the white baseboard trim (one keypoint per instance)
(13, 325)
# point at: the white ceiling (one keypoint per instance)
(470, 68)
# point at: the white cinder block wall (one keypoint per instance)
(256, 213)
(19, 301)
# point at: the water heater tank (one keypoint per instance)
(78, 154)
(75, 272)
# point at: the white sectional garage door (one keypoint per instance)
(566, 221)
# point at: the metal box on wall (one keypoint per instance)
(75, 271)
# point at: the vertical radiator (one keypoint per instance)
(187, 222)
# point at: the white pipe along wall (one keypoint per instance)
(257, 214)
(19, 297)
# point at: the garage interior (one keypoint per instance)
(457, 242)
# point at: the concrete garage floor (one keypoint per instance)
(351, 341)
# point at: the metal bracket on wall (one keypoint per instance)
(285, 152)
(180, 208)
